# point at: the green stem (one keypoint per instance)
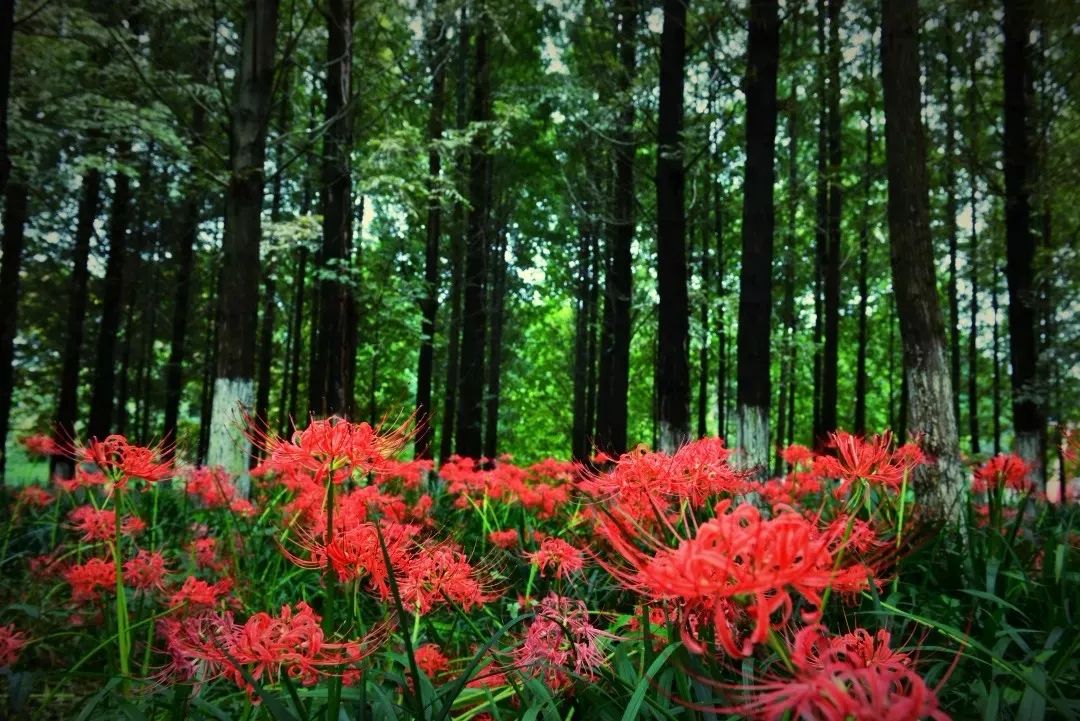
(333, 691)
(838, 561)
(123, 632)
(778, 646)
(7, 531)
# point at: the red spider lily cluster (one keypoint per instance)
(683, 547)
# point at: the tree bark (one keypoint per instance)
(821, 216)
(430, 303)
(16, 215)
(67, 407)
(7, 38)
(614, 372)
(673, 333)
(940, 485)
(494, 365)
(831, 282)
(579, 450)
(112, 303)
(755, 281)
(474, 321)
(973, 328)
(239, 286)
(950, 219)
(996, 394)
(334, 355)
(297, 332)
(787, 311)
(864, 262)
(1028, 420)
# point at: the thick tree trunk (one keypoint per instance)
(16, 214)
(940, 485)
(67, 407)
(1028, 421)
(614, 373)
(430, 303)
(673, 352)
(474, 321)
(950, 221)
(494, 366)
(7, 37)
(831, 282)
(112, 304)
(334, 355)
(755, 280)
(239, 285)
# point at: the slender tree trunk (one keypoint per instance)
(830, 368)
(239, 293)
(112, 304)
(755, 282)
(864, 262)
(579, 434)
(673, 352)
(430, 303)
(494, 366)
(7, 41)
(703, 310)
(67, 407)
(721, 320)
(474, 320)
(614, 373)
(266, 354)
(16, 214)
(209, 369)
(821, 225)
(950, 220)
(592, 321)
(133, 291)
(297, 333)
(787, 311)
(973, 350)
(997, 362)
(1028, 421)
(940, 485)
(334, 355)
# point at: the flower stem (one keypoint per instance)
(333, 690)
(123, 633)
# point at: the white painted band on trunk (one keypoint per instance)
(229, 447)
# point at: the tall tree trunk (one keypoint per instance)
(1028, 421)
(830, 367)
(238, 296)
(334, 356)
(579, 443)
(296, 325)
(614, 372)
(209, 369)
(592, 320)
(134, 289)
(494, 366)
(7, 38)
(787, 310)
(821, 224)
(950, 219)
(755, 280)
(673, 332)
(721, 319)
(703, 311)
(940, 485)
(996, 394)
(112, 305)
(864, 262)
(474, 321)
(973, 350)
(457, 255)
(430, 303)
(67, 407)
(16, 214)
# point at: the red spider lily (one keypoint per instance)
(121, 460)
(1004, 470)
(431, 660)
(439, 573)
(87, 580)
(209, 645)
(856, 676)
(748, 560)
(408, 472)
(83, 479)
(40, 445)
(100, 524)
(869, 460)
(504, 539)
(334, 448)
(560, 640)
(797, 455)
(563, 558)
(35, 496)
(145, 571)
(11, 644)
(197, 593)
(205, 552)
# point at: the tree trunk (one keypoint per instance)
(239, 291)
(973, 350)
(209, 370)
(703, 310)
(16, 214)
(579, 443)
(673, 333)
(755, 280)
(7, 38)
(112, 305)
(474, 321)
(592, 320)
(1028, 422)
(297, 333)
(614, 373)
(996, 394)
(334, 356)
(940, 485)
(787, 311)
(721, 320)
(830, 367)
(267, 354)
(67, 407)
(494, 367)
(430, 303)
(950, 220)
(132, 293)
(864, 261)
(821, 224)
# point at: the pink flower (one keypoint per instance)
(11, 644)
(563, 558)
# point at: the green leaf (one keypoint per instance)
(638, 697)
